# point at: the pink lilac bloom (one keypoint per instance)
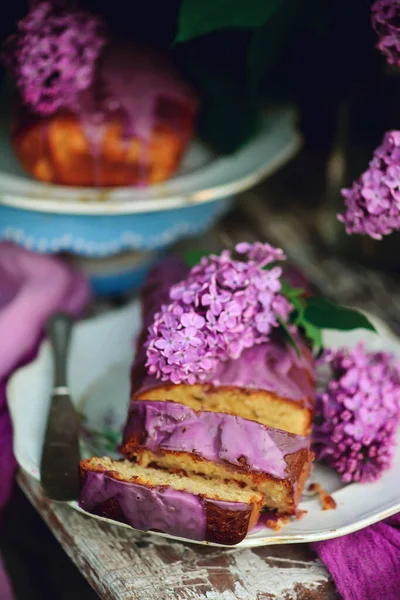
(358, 413)
(221, 308)
(385, 15)
(53, 55)
(373, 201)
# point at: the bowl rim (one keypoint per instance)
(275, 143)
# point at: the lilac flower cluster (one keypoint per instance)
(358, 413)
(385, 16)
(373, 201)
(53, 55)
(221, 308)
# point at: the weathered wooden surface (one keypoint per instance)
(125, 565)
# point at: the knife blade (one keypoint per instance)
(59, 472)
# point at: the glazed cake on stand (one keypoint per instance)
(94, 110)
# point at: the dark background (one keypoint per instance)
(315, 53)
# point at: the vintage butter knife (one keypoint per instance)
(59, 474)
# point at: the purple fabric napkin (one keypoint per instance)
(5, 587)
(32, 287)
(365, 565)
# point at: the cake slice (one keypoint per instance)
(153, 499)
(216, 445)
(269, 383)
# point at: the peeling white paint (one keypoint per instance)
(120, 569)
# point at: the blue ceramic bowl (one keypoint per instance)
(101, 237)
(102, 223)
(107, 235)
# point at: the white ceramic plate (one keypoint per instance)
(203, 176)
(99, 380)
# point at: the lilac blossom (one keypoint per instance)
(385, 15)
(373, 201)
(53, 55)
(221, 308)
(357, 414)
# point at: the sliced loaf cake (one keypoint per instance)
(222, 446)
(155, 500)
(205, 457)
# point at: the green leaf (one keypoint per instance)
(288, 336)
(229, 115)
(313, 333)
(326, 315)
(298, 301)
(199, 17)
(269, 41)
(193, 257)
(296, 297)
(228, 118)
(290, 292)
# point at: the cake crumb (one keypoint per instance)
(300, 514)
(277, 523)
(272, 524)
(328, 503)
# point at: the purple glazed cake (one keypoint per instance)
(152, 499)
(218, 445)
(268, 383)
(221, 405)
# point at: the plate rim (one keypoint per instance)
(248, 542)
(57, 199)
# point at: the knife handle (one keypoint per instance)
(59, 330)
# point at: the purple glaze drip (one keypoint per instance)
(218, 437)
(273, 366)
(166, 509)
(134, 80)
(266, 519)
(131, 82)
